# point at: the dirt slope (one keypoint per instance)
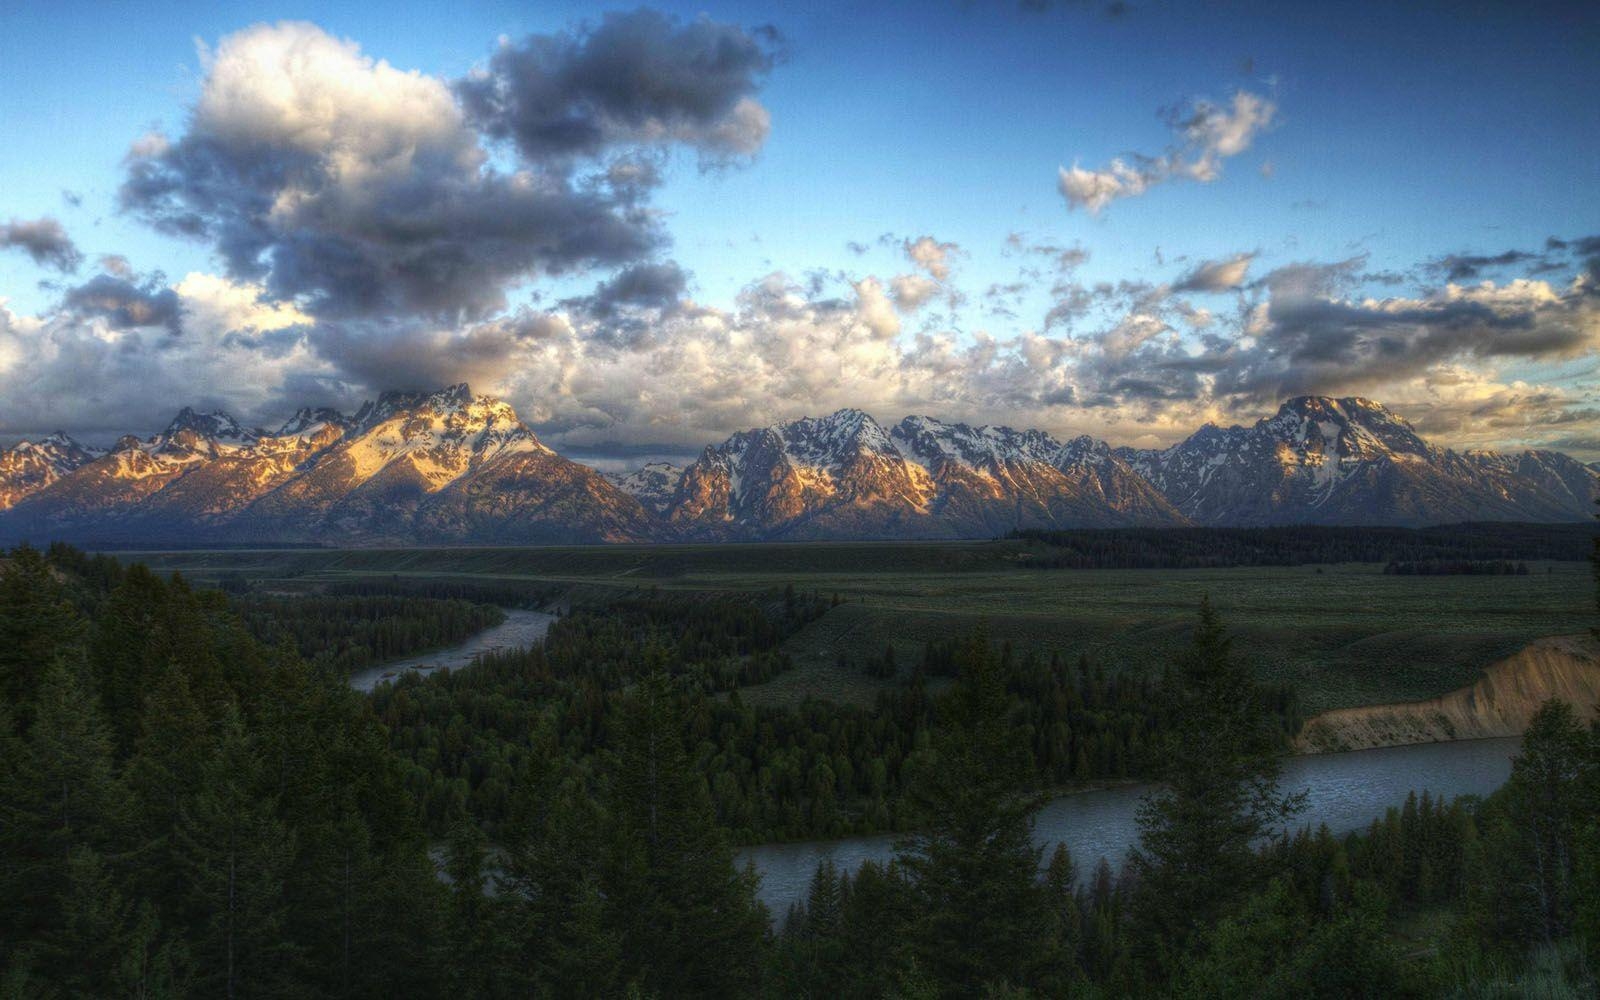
(1499, 704)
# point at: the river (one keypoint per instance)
(520, 630)
(1346, 791)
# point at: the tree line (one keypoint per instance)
(348, 633)
(1458, 567)
(1300, 545)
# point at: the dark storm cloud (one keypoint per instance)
(635, 78)
(360, 192)
(125, 302)
(1312, 339)
(44, 240)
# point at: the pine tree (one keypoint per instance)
(38, 626)
(236, 856)
(1546, 800)
(690, 923)
(1220, 767)
(973, 866)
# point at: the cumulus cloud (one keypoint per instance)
(635, 78)
(874, 310)
(108, 362)
(932, 256)
(912, 291)
(358, 190)
(44, 240)
(1205, 133)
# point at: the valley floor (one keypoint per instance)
(1344, 635)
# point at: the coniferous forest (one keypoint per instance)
(196, 804)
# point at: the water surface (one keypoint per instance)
(1346, 791)
(520, 630)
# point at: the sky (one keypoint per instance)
(650, 227)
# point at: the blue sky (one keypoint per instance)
(1400, 134)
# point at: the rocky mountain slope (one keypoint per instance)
(33, 465)
(653, 484)
(844, 476)
(1351, 461)
(451, 467)
(409, 467)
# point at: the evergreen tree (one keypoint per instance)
(38, 626)
(236, 855)
(973, 866)
(690, 923)
(1219, 795)
(1546, 803)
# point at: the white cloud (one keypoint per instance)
(932, 256)
(912, 291)
(1208, 133)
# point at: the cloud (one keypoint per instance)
(360, 190)
(108, 362)
(874, 310)
(1466, 267)
(1216, 275)
(125, 302)
(637, 78)
(912, 291)
(657, 285)
(44, 240)
(1307, 337)
(932, 256)
(1206, 133)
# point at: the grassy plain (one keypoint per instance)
(1342, 634)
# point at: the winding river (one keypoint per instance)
(1346, 791)
(520, 630)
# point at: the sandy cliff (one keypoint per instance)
(1499, 704)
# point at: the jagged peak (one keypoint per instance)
(309, 417)
(215, 425)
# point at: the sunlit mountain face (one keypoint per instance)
(918, 270)
(456, 467)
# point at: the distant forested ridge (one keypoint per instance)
(1209, 548)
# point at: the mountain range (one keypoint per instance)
(453, 467)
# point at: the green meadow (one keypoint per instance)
(1342, 634)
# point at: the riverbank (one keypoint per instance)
(1345, 791)
(520, 629)
(1499, 704)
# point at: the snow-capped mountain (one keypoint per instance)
(443, 466)
(843, 476)
(1351, 461)
(652, 484)
(451, 466)
(33, 465)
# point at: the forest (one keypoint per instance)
(195, 805)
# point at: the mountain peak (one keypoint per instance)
(215, 425)
(309, 418)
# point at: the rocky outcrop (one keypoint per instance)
(1500, 704)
